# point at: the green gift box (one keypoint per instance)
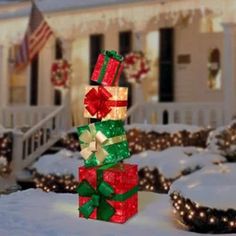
(103, 143)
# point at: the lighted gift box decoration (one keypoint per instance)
(105, 102)
(108, 192)
(107, 188)
(103, 143)
(108, 68)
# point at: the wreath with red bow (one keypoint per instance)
(136, 67)
(60, 73)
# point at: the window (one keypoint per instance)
(125, 42)
(96, 46)
(17, 80)
(34, 81)
(58, 49)
(125, 46)
(58, 55)
(214, 69)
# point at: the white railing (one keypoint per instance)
(30, 145)
(19, 116)
(202, 114)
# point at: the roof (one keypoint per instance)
(14, 8)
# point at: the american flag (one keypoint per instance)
(36, 36)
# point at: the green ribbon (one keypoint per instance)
(113, 54)
(108, 55)
(100, 196)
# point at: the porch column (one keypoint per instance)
(4, 81)
(66, 94)
(137, 89)
(229, 71)
(67, 46)
(111, 38)
(46, 58)
(139, 41)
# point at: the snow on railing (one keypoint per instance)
(202, 114)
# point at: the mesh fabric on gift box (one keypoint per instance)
(108, 68)
(105, 102)
(103, 142)
(108, 193)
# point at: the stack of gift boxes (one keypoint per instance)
(107, 188)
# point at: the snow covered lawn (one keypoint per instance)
(170, 162)
(62, 163)
(173, 161)
(33, 212)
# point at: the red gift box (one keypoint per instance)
(122, 179)
(108, 68)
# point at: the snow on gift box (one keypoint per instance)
(108, 193)
(205, 201)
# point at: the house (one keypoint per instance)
(190, 45)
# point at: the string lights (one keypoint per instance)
(5, 153)
(224, 141)
(140, 141)
(70, 142)
(153, 181)
(203, 219)
(55, 183)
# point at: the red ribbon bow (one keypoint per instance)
(97, 102)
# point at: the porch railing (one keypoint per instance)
(19, 116)
(44, 126)
(30, 145)
(201, 114)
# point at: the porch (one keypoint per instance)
(34, 130)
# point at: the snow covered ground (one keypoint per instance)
(170, 162)
(64, 162)
(33, 212)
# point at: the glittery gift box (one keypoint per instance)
(105, 102)
(108, 68)
(103, 143)
(121, 201)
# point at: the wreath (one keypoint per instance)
(60, 73)
(136, 67)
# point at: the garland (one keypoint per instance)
(60, 73)
(136, 67)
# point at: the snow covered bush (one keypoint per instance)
(223, 141)
(161, 137)
(5, 152)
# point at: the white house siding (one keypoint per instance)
(191, 79)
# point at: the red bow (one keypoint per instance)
(97, 102)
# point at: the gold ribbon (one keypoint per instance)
(93, 142)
